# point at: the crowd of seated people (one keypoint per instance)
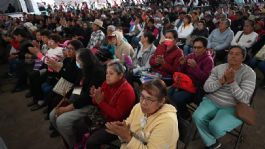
(85, 68)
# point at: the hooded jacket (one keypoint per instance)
(160, 130)
(202, 70)
(123, 47)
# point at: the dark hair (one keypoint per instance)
(150, 37)
(89, 61)
(243, 50)
(22, 31)
(55, 37)
(76, 44)
(118, 66)
(189, 17)
(174, 32)
(156, 87)
(151, 20)
(104, 54)
(251, 22)
(45, 33)
(201, 39)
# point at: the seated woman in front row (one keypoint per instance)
(151, 124)
(114, 99)
(227, 85)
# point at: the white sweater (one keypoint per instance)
(246, 40)
(184, 32)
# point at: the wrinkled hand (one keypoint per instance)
(160, 59)
(120, 129)
(96, 94)
(35, 44)
(59, 111)
(192, 63)
(54, 64)
(229, 75)
(182, 60)
(33, 50)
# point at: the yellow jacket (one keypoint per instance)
(158, 131)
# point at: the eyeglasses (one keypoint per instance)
(195, 47)
(148, 100)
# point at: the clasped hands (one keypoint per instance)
(96, 94)
(120, 129)
(228, 77)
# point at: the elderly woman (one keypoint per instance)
(227, 85)
(123, 48)
(63, 117)
(166, 58)
(115, 99)
(151, 124)
(197, 66)
(247, 37)
(220, 38)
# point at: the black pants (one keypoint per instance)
(23, 71)
(220, 55)
(52, 101)
(36, 80)
(100, 137)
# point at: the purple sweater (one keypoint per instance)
(202, 70)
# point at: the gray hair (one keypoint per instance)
(111, 28)
(118, 66)
(227, 21)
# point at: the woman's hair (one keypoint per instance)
(174, 33)
(118, 66)
(22, 31)
(89, 61)
(76, 44)
(251, 22)
(55, 37)
(150, 37)
(201, 39)
(45, 33)
(189, 17)
(156, 88)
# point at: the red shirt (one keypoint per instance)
(118, 100)
(171, 58)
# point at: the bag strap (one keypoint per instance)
(239, 37)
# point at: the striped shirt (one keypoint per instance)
(228, 94)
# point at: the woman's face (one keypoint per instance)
(186, 20)
(248, 28)
(112, 76)
(38, 36)
(235, 57)
(143, 39)
(85, 26)
(149, 103)
(200, 26)
(198, 48)
(70, 51)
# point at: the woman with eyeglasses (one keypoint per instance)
(197, 66)
(114, 99)
(152, 123)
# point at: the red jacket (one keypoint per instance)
(118, 101)
(171, 58)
